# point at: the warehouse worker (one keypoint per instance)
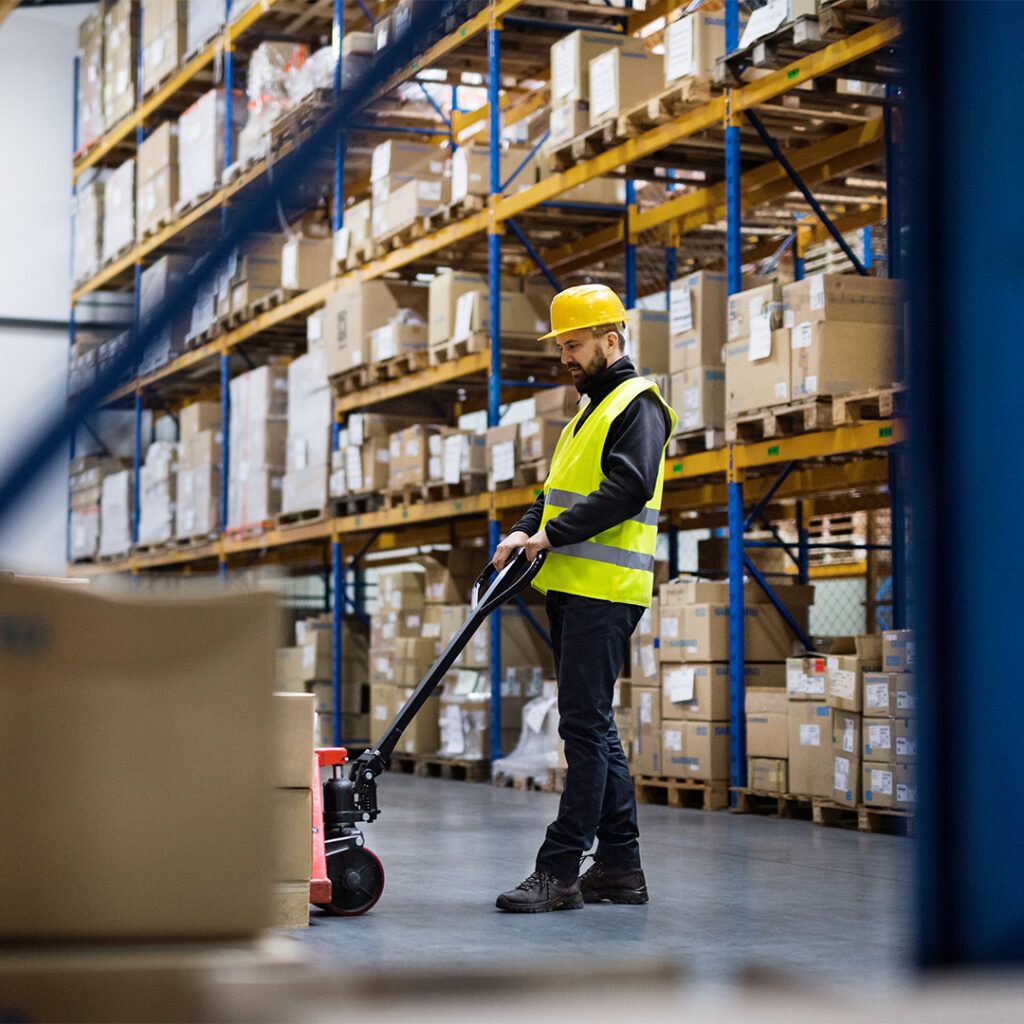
(598, 520)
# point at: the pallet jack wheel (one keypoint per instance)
(357, 881)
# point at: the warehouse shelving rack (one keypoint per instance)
(825, 471)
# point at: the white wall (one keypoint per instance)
(37, 50)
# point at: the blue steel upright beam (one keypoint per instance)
(229, 86)
(630, 244)
(534, 255)
(339, 143)
(136, 463)
(71, 264)
(337, 633)
(225, 444)
(494, 371)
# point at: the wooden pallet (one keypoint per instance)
(403, 764)
(290, 520)
(107, 559)
(780, 421)
(511, 345)
(356, 379)
(421, 494)
(455, 768)
(690, 441)
(706, 796)
(403, 364)
(780, 805)
(267, 302)
(182, 206)
(199, 540)
(151, 547)
(844, 17)
(666, 105)
(550, 780)
(874, 404)
(787, 43)
(160, 224)
(458, 210)
(356, 504)
(589, 143)
(249, 530)
(120, 254)
(301, 121)
(863, 819)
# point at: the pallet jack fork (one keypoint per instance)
(353, 874)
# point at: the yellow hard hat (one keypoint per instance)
(585, 305)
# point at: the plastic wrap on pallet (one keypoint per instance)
(539, 750)
(315, 71)
(259, 408)
(201, 143)
(120, 60)
(158, 281)
(773, 15)
(90, 78)
(156, 176)
(157, 489)
(267, 94)
(115, 514)
(88, 232)
(310, 414)
(164, 28)
(84, 535)
(119, 211)
(205, 18)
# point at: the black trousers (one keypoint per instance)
(589, 641)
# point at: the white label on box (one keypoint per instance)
(673, 739)
(876, 695)
(308, 656)
(645, 708)
(810, 384)
(355, 428)
(832, 664)
(906, 747)
(881, 781)
(679, 56)
(781, 391)
(849, 735)
(681, 315)
(412, 448)
(905, 700)
(787, 317)
(801, 337)
(528, 428)
(810, 735)
(289, 263)
(646, 624)
(453, 458)
(454, 740)
(380, 712)
(647, 657)
(842, 774)
(760, 337)
(679, 685)
(464, 307)
(354, 469)
(906, 794)
(341, 243)
(796, 680)
(562, 70)
(602, 84)
(503, 461)
(843, 683)
(670, 627)
(733, 329)
(430, 190)
(691, 399)
(814, 684)
(879, 737)
(817, 288)
(315, 326)
(431, 630)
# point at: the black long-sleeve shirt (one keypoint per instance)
(630, 462)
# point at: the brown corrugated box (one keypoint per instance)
(695, 750)
(759, 382)
(811, 768)
(767, 718)
(890, 786)
(291, 752)
(768, 774)
(697, 322)
(840, 358)
(890, 740)
(889, 694)
(843, 297)
(845, 672)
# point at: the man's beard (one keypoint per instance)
(596, 366)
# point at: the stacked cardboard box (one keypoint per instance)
(201, 144)
(259, 424)
(757, 354)
(159, 280)
(119, 211)
(647, 342)
(310, 415)
(120, 60)
(157, 177)
(361, 463)
(471, 170)
(620, 78)
(350, 240)
(767, 723)
(693, 43)
(164, 37)
(407, 180)
(416, 456)
(254, 272)
(464, 456)
(465, 714)
(890, 726)
(88, 229)
(116, 514)
(696, 336)
(199, 460)
(291, 763)
(844, 333)
(85, 483)
(157, 490)
(306, 262)
(205, 18)
(519, 453)
(844, 672)
(90, 78)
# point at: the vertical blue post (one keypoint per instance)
(494, 371)
(670, 275)
(337, 623)
(803, 546)
(630, 244)
(866, 259)
(737, 682)
(339, 143)
(229, 86)
(71, 261)
(898, 540)
(799, 268)
(673, 551)
(136, 466)
(893, 204)
(225, 434)
(734, 280)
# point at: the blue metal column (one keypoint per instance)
(337, 622)
(225, 443)
(339, 144)
(964, 152)
(630, 296)
(71, 314)
(734, 283)
(673, 551)
(136, 463)
(893, 204)
(803, 546)
(866, 243)
(494, 371)
(670, 274)
(799, 269)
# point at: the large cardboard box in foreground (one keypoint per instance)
(141, 728)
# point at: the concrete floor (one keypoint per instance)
(728, 893)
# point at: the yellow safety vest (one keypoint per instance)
(617, 564)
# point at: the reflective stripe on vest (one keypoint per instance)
(618, 563)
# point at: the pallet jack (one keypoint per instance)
(355, 873)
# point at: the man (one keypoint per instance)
(598, 520)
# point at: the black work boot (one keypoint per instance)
(605, 882)
(539, 893)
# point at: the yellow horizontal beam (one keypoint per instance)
(462, 121)
(150, 106)
(849, 570)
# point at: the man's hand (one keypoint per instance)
(537, 543)
(508, 547)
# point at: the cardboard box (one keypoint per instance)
(845, 672)
(444, 293)
(471, 171)
(198, 416)
(754, 312)
(889, 694)
(811, 767)
(291, 751)
(620, 78)
(890, 740)
(399, 157)
(503, 458)
(201, 131)
(767, 718)
(120, 60)
(697, 324)
(839, 358)
(647, 705)
(423, 735)
(570, 62)
(692, 45)
(647, 752)
(164, 37)
(644, 648)
(847, 778)
(156, 179)
(449, 576)
(306, 262)
(383, 705)
(768, 774)
(846, 733)
(698, 398)
(290, 839)
(395, 339)
(757, 372)
(538, 437)
(898, 650)
(695, 750)
(843, 297)
(647, 340)
(890, 786)
(806, 677)
(119, 211)
(90, 77)
(143, 690)
(566, 121)
(561, 401)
